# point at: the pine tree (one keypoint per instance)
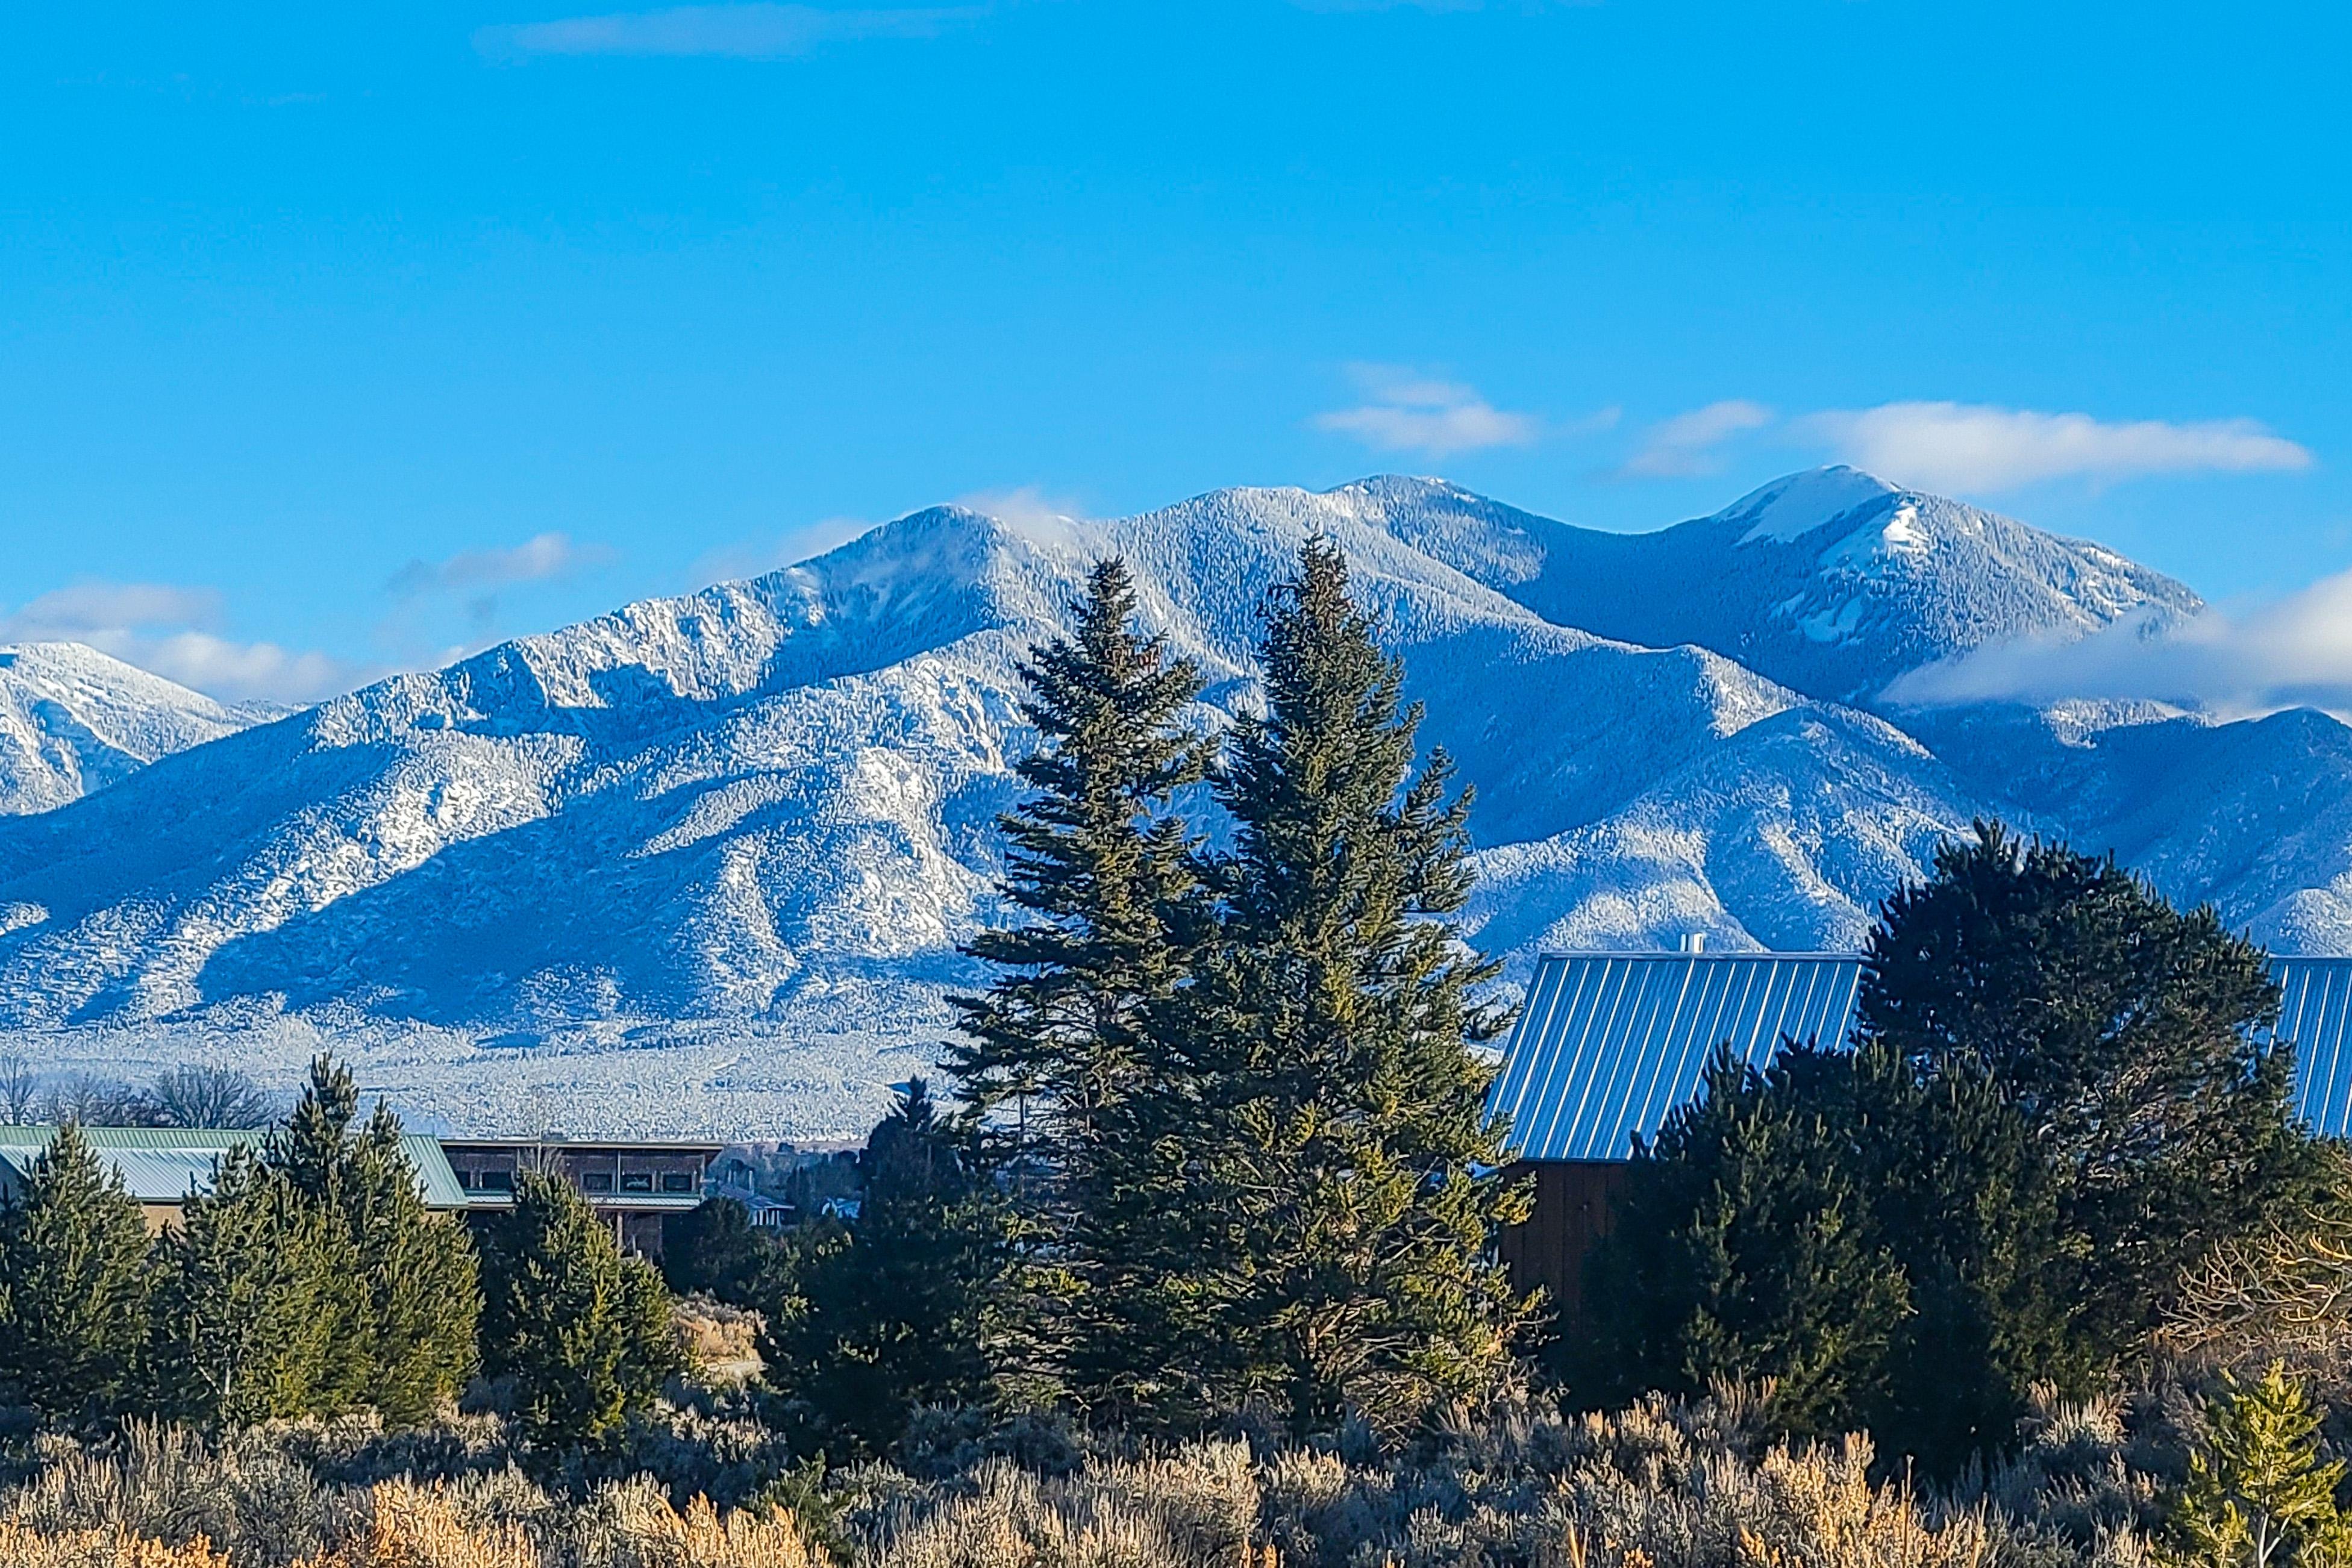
(73, 1284)
(1329, 1249)
(1055, 1049)
(242, 1324)
(714, 1249)
(1746, 1251)
(402, 1289)
(2258, 1493)
(867, 1321)
(2122, 1031)
(416, 1288)
(584, 1333)
(2054, 1106)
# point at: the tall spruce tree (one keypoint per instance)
(2124, 1033)
(242, 1323)
(404, 1292)
(869, 1320)
(583, 1333)
(1054, 1052)
(1332, 1252)
(73, 1284)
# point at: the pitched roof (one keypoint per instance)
(162, 1165)
(1610, 1043)
(2316, 1017)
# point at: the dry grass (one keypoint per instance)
(1519, 1484)
(24, 1546)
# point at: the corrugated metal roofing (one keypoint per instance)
(2316, 1017)
(1608, 1043)
(161, 1164)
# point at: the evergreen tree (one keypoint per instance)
(1745, 1250)
(73, 1284)
(416, 1284)
(1884, 1252)
(714, 1249)
(1328, 1247)
(584, 1333)
(867, 1321)
(402, 1289)
(243, 1325)
(2121, 1030)
(2258, 1493)
(1054, 1052)
(2054, 1107)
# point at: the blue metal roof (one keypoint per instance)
(2316, 1017)
(1608, 1043)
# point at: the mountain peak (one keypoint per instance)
(1796, 505)
(74, 719)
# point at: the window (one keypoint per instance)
(596, 1181)
(676, 1181)
(497, 1181)
(469, 1179)
(637, 1181)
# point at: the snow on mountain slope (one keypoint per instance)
(2254, 817)
(1831, 582)
(73, 720)
(1786, 838)
(770, 802)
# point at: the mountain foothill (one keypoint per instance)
(712, 856)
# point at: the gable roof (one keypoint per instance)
(2316, 1017)
(162, 1165)
(1608, 1043)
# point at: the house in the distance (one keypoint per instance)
(1608, 1044)
(632, 1185)
(160, 1166)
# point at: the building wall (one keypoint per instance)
(633, 1188)
(1571, 1212)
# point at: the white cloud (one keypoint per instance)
(756, 558)
(172, 630)
(754, 32)
(1684, 446)
(239, 671)
(2293, 652)
(1410, 413)
(71, 614)
(1973, 446)
(536, 559)
(1026, 504)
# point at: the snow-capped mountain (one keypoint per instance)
(73, 720)
(702, 864)
(1831, 582)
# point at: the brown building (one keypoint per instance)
(1607, 1046)
(632, 1185)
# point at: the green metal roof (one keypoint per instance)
(162, 1165)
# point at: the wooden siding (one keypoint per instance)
(1571, 1212)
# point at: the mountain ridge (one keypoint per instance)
(723, 845)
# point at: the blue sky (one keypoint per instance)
(332, 338)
